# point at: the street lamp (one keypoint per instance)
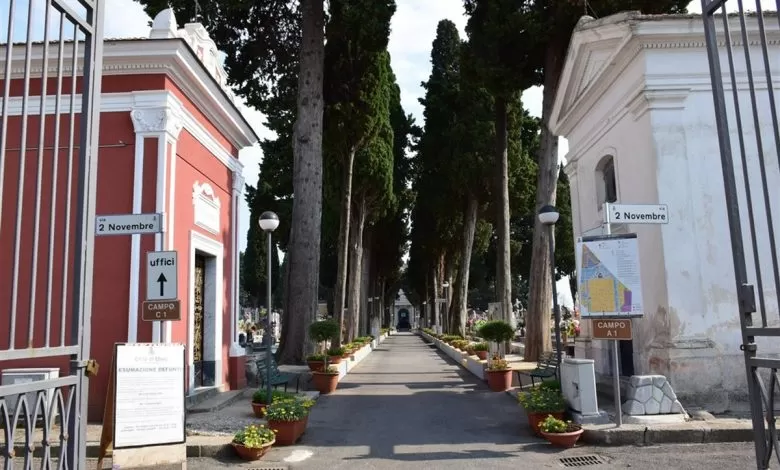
(442, 314)
(268, 223)
(548, 215)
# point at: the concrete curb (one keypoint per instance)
(691, 432)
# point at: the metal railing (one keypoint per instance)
(51, 63)
(746, 111)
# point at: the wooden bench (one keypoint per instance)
(546, 367)
(277, 377)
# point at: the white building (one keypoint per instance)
(403, 312)
(636, 106)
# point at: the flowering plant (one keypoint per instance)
(286, 411)
(571, 327)
(254, 436)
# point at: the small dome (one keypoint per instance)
(164, 25)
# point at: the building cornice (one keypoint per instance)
(636, 35)
(171, 57)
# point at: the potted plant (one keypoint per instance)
(326, 381)
(316, 362)
(253, 442)
(560, 433)
(336, 354)
(499, 376)
(260, 400)
(481, 349)
(288, 420)
(541, 402)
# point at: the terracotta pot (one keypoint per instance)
(499, 380)
(251, 453)
(482, 355)
(334, 359)
(300, 426)
(287, 432)
(325, 383)
(316, 366)
(535, 419)
(563, 439)
(259, 409)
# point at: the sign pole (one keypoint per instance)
(615, 345)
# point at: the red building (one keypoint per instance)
(170, 133)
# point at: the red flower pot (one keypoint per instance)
(251, 453)
(316, 366)
(325, 383)
(259, 409)
(287, 432)
(482, 355)
(334, 359)
(535, 419)
(563, 439)
(499, 380)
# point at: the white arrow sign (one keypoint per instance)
(637, 214)
(161, 275)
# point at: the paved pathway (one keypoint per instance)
(407, 406)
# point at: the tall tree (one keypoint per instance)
(503, 35)
(556, 21)
(358, 33)
(435, 224)
(373, 185)
(264, 42)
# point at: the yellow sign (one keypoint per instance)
(602, 295)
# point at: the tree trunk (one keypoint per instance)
(538, 319)
(504, 268)
(434, 302)
(304, 246)
(459, 312)
(355, 269)
(343, 245)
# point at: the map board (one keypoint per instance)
(148, 395)
(609, 278)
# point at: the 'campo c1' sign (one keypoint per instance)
(161, 310)
(619, 329)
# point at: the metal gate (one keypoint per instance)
(51, 62)
(745, 108)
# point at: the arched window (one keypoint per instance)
(606, 186)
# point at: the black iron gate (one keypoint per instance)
(51, 62)
(745, 108)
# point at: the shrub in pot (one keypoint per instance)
(321, 332)
(316, 362)
(560, 433)
(541, 402)
(253, 442)
(499, 377)
(481, 349)
(336, 354)
(288, 419)
(326, 381)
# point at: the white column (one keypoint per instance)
(164, 124)
(238, 189)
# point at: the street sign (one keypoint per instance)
(161, 310)
(618, 329)
(637, 214)
(128, 224)
(161, 275)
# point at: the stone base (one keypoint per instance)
(654, 419)
(145, 457)
(237, 372)
(600, 418)
(651, 395)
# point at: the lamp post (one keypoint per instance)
(548, 215)
(268, 223)
(444, 312)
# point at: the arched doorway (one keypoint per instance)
(404, 321)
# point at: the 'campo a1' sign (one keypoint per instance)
(608, 328)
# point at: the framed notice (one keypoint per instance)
(148, 395)
(609, 277)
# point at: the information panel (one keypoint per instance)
(148, 395)
(609, 279)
